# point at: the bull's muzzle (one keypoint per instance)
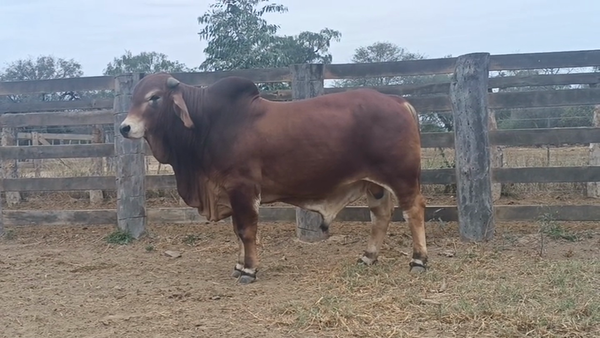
(124, 129)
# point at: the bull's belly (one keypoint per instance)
(328, 203)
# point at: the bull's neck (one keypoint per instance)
(195, 100)
(194, 140)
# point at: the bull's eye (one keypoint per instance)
(154, 98)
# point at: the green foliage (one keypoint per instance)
(240, 38)
(191, 239)
(144, 62)
(43, 67)
(9, 235)
(389, 52)
(549, 117)
(120, 237)
(554, 230)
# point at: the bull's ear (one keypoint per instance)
(182, 110)
(179, 103)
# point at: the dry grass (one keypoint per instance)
(480, 293)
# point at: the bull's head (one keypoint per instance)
(153, 97)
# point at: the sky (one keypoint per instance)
(93, 32)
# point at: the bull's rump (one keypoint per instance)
(311, 146)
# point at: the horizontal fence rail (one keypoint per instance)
(444, 87)
(572, 213)
(502, 100)
(47, 106)
(526, 61)
(105, 116)
(53, 136)
(524, 137)
(57, 85)
(428, 176)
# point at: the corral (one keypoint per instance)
(536, 277)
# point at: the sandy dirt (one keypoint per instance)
(69, 282)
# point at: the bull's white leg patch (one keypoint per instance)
(257, 203)
(248, 271)
(239, 266)
(417, 262)
(405, 215)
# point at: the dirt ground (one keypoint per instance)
(534, 280)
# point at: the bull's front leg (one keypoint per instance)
(237, 270)
(245, 201)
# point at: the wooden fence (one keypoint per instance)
(469, 96)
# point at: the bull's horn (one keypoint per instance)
(172, 82)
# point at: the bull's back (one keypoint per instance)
(333, 138)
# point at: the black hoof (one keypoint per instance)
(247, 279)
(416, 267)
(236, 273)
(364, 260)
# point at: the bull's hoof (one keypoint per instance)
(364, 260)
(417, 266)
(417, 269)
(246, 279)
(246, 276)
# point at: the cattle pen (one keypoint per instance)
(512, 214)
(467, 98)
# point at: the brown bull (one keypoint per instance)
(232, 150)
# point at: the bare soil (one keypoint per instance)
(69, 282)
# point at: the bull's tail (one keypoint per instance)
(414, 114)
(410, 108)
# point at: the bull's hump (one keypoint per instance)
(235, 87)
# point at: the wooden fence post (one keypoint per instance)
(593, 188)
(1, 214)
(469, 97)
(109, 137)
(307, 82)
(37, 164)
(497, 157)
(9, 167)
(130, 167)
(96, 196)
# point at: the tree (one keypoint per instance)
(144, 62)
(549, 117)
(388, 52)
(382, 51)
(43, 67)
(239, 38)
(379, 52)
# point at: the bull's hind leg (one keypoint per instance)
(412, 204)
(381, 208)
